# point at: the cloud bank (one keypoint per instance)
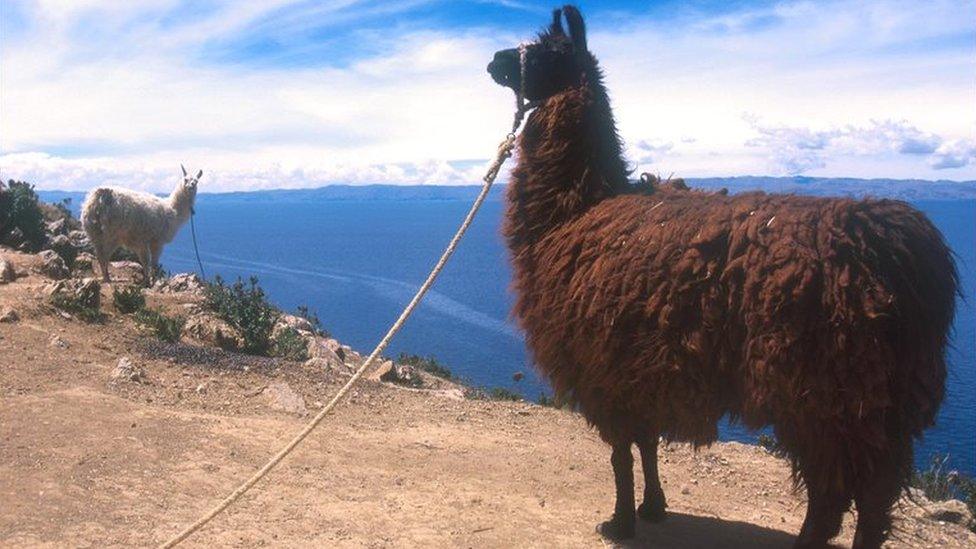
(300, 94)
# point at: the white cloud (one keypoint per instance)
(130, 99)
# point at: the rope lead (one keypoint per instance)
(504, 152)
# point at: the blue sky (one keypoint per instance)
(284, 93)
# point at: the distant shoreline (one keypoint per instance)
(903, 189)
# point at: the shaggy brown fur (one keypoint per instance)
(658, 313)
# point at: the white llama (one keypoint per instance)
(139, 221)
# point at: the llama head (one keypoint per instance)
(186, 192)
(556, 61)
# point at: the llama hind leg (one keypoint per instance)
(825, 513)
(877, 494)
(103, 253)
(621, 524)
(654, 505)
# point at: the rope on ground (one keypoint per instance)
(504, 152)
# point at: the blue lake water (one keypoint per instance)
(358, 261)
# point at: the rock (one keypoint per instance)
(80, 240)
(64, 248)
(58, 227)
(282, 397)
(88, 292)
(127, 270)
(401, 374)
(53, 266)
(125, 370)
(14, 239)
(7, 272)
(208, 329)
(953, 511)
(685, 489)
(319, 347)
(181, 283)
(8, 315)
(381, 371)
(85, 262)
(327, 365)
(57, 343)
(302, 325)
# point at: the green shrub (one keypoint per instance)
(128, 299)
(245, 307)
(548, 401)
(19, 210)
(291, 345)
(427, 364)
(71, 303)
(165, 328)
(494, 393)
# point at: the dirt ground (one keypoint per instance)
(89, 462)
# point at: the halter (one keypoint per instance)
(521, 105)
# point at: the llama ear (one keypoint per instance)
(199, 175)
(184, 170)
(577, 29)
(556, 28)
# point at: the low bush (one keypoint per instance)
(245, 307)
(21, 219)
(290, 344)
(75, 306)
(128, 299)
(427, 364)
(165, 328)
(312, 317)
(494, 393)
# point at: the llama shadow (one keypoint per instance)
(693, 532)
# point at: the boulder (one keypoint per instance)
(58, 227)
(208, 329)
(85, 262)
(401, 374)
(64, 248)
(7, 314)
(52, 266)
(125, 370)
(80, 240)
(297, 323)
(327, 365)
(319, 347)
(952, 511)
(7, 272)
(127, 270)
(57, 343)
(88, 292)
(280, 396)
(14, 238)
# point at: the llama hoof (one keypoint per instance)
(616, 529)
(652, 513)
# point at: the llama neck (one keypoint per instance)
(569, 159)
(181, 200)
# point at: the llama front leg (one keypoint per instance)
(103, 254)
(621, 524)
(145, 258)
(654, 505)
(155, 251)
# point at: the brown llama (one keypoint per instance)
(660, 310)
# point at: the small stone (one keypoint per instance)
(58, 343)
(125, 370)
(201, 388)
(685, 489)
(7, 272)
(7, 314)
(381, 371)
(282, 397)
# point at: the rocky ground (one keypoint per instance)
(110, 438)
